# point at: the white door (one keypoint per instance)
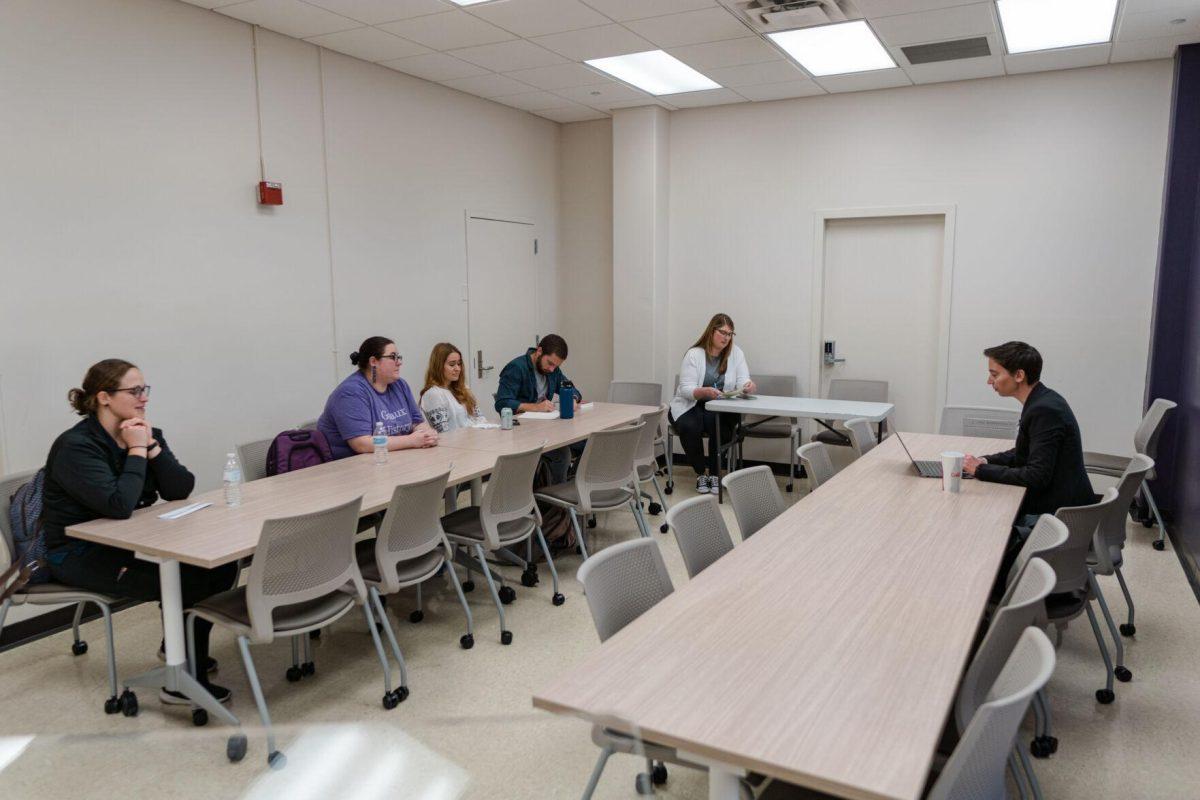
(883, 308)
(502, 294)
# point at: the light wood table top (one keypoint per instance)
(555, 432)
(827, 649)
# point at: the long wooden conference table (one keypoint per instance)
(220, 534)
(825, 650)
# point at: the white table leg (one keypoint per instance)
(172, 613)
(476, 491)
(724, 780)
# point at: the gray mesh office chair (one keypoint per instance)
(700, 531)
(645, 462)
(411, 548)
(506, 516)
(1109, 544)
(986, 423)
(602, 481)
(817, 463)
(621, 583)
(52, 594)
(1145, 442)
(847, 389)
(862, 438)
(755, 496)
(253, 456)
(759, 427)
(304, 576)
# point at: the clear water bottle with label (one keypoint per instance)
(379, 439)
(232, 478)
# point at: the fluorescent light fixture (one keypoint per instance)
(836, 49)
(470, 2)
(654, 71)
(1046, 24)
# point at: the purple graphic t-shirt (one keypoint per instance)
(354, 408)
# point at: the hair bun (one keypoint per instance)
(354, 358)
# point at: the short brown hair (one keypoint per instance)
(553, 345)
(103, 376)
(1015, 356)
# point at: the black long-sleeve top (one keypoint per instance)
(1048, 458)
(90, 476)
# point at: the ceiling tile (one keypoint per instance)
(1062, 58)
(531, 101)
(571, 113)
(369, 44)
(963, 69)
(1142, 6)
(708, 97)
(606, 96)
(1148, 49)
(886, 8)
(448, 31)
(212, 3)
(509, 56)
(654, 101)
(487, 85)
(751, 74)
(600, 42)
(435, 67)
(373, 12)
(730, 53)
(540, 17)
(289, 17)
(690, 27)
(1157, 24)
(935, 26)
(865, 81)
(780, 91)
(560, 76)
(622, 10)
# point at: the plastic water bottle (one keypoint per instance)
(232, 478)
(379, 439)
(506, 419)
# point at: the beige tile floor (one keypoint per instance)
(469, 731)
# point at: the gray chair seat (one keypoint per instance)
(1115, 555)
(230, 610)
(413, 569)
(1105, 464)
(466, 524)
(567, 494)
(829, 437)
(645, 472)
(39, 593)
(768, 429)
(623, 743)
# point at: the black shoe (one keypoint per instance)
(221, 694)
(210, 666)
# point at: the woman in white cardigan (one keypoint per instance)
(712, 365)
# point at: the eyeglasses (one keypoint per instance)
(399, 359)
(725, 333)
(139, 392)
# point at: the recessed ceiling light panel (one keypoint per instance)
(837, 49)
(1049, 24)
(654, 71)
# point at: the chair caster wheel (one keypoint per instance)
(1043, 746)
(466, 641)
(468, 586)
(1123, 674)
(643, 783)
(654, 508)
(669, 488)
(664, 528)
(314, 635)
(1128, 629)
(659, 774)
(293, 674)
(129, 703)
(79, 648)
(416, 617)
(199, 717)
(591, 523)
(1159, 544)
(507, 595)
(277, 760)
(390, 700)
(235, 748)
(1105, 696)
(529, 578)
(1147, 523)
(789, 488)
(112, 705)
(505, 637)
(558, 599)
(308, 668)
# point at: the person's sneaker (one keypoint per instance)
(221, 694)
(713, 485)
(210, 666)
(702, 484)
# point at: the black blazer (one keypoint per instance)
(1048, 458)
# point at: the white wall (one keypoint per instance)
(1057, 178)
(129, 227)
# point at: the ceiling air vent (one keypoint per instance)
(772, 16)
(947, 51)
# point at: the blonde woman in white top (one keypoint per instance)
(712, 365)
(446, 400)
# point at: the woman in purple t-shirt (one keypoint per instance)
(375, 393)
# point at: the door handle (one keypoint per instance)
(479, 364)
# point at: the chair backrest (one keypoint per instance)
(976, 768)
(862, 438)
(651, 422)
(253, 456)
(986, 423)
(1048, 534)
(777, 385)
(817, 463)
(755, 496)
(862, 391)
(309, 425)
(607, 462)
(8, 487)
(622, 582)
(1070, 559)
(700, 531)
(1145, 438)
(411, 526)
(1025, 606)
(1110, 535)
(302, 558)
(509, 493)
(635, 393)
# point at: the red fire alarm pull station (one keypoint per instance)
(270, 193)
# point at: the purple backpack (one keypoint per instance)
(293, 450)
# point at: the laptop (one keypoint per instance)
(926, 469)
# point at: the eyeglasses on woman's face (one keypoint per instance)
(140, 392)
(394, 357)
(728, 334)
